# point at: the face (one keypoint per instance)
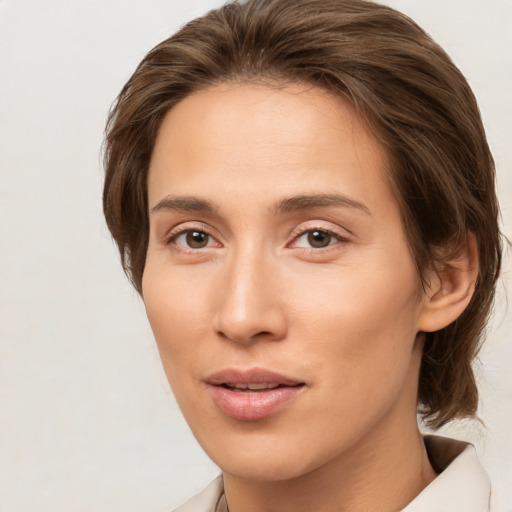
(278, 282)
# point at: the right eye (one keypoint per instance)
(193, 239)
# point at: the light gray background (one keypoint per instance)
(87, 422)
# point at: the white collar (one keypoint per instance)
(207, 500)
(461, 486)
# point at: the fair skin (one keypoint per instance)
(277, 254)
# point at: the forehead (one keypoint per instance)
(242, 136)
(232, 112)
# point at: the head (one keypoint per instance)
(403, 90)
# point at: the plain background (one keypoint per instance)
(87, 422)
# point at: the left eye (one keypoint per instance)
(316, 238)
(194, 239)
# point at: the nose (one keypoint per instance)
(249, 302)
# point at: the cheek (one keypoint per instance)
(362, 317)
(356, 300)
(174, 306)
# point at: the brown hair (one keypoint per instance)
(401, 81)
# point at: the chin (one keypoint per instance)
(270, 469)
(265, 456)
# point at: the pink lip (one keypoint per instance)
(251, 405)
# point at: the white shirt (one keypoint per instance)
(461, 486)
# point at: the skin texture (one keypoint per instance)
(343, 319)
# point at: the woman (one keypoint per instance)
(303, 195)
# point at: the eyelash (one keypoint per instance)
(296, 235)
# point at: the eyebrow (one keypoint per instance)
(305, 202)
(185, 204)
(290, 204)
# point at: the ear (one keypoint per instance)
(450, 289)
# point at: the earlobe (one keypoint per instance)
(450, 289)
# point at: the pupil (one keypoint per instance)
(319, 238)
(197, 239)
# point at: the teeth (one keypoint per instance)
(262, 386)
(254, 387)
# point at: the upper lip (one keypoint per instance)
(233, 376)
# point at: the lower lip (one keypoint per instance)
(253, 405)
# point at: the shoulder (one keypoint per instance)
(462, 484)
(207, 500)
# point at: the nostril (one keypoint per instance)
(238, 337)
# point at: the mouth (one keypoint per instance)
(254, 394)
(248, 388)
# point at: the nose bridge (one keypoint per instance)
(249, 305)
